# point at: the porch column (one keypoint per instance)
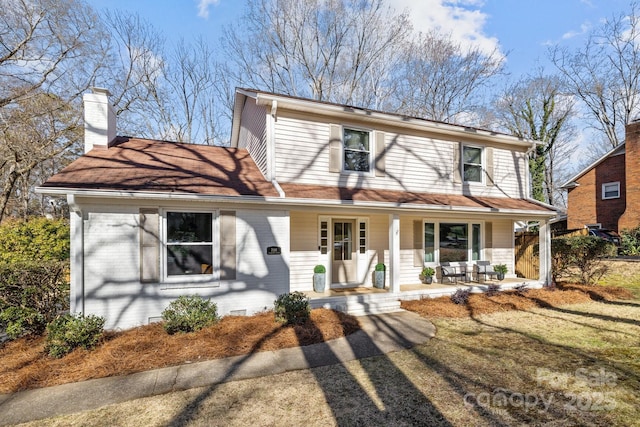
(544, 237)
(394, 253)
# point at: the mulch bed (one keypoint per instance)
(24, 364)
(478, 304)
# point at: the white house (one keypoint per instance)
(303, 183)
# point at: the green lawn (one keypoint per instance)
(574, 365)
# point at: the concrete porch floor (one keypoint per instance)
(506, 284)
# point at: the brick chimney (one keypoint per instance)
(99, 120)
(631, 216)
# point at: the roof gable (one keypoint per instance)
(616, 151)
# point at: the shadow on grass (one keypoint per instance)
(547, 305)
(190, 412)
(394, 400)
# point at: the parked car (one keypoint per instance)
(608, 235)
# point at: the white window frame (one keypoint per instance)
(215, 250)
(436, 240)
(482, 164)
(616, 185)
(371, 151)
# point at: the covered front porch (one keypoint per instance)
(366, 300)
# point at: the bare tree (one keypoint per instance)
(605, 73)
(535, 108)
(134, 71)
(159, 92)
(50, 51)
(339, 51)
(36, 129)
(442, 80)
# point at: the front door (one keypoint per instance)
(343, 267)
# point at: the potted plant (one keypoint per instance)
(426, 276)
(378, 275)
(319, 278)
(501, 270)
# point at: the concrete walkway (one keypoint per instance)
(380, 334)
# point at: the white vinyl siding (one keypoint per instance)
(411, 162)
(253, 134)
(503, 244)
(305, 253)
(113, 289)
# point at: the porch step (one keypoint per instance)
(359, 305)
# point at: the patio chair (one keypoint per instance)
(484, 269)
(449, 271)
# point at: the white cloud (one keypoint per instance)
(203, 7)
(462, 19)
(584, 28)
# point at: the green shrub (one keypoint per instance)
(189, 314)
(32, 295)
(68, 332)
(292, 308)
(319, 269)
(21, 321)
(500, 268)
(584, 253)
(428, 272)
(630, 242)
(380, 267)
(36, 239)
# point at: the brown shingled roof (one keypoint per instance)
(133, 164)
(405, 197)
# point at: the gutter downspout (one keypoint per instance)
(278, 188)
(77, 256)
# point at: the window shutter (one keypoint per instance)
(149, 245)
(489, 166)
(227, 245)
(488, 240)
(380, 154)
(418, 256)
(335, 148)
(457, 175)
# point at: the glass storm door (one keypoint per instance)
(343, 269)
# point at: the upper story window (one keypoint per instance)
(472, 164)
(611, 190)
(357, 150)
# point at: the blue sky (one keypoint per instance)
(522, 29)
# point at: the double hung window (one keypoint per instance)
(356, 150)
(189, 238)
(472, 164)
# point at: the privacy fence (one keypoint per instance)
(527, 261)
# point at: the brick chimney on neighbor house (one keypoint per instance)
(631, 216)
(99, 119)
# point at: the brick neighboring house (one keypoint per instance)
(606, 193)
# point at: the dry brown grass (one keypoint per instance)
(25, 364)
